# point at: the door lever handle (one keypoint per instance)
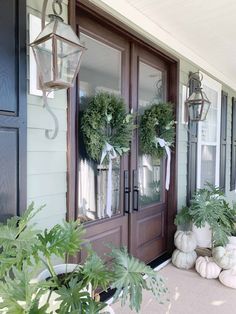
(126, 192)
(135, 191)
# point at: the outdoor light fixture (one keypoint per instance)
(57, 51)
(197, 103)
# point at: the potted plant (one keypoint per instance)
(209, 207)
(66, 288)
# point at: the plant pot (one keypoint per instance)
(203, 236)
(108, 309)
(232, 240)
(44, 275)
(59, 270)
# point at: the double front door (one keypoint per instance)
(142, 210)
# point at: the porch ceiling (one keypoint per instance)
(202, 31)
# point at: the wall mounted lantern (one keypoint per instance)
(57, 51)
(197, 103)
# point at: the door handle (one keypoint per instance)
(126, 192)
(135, 191)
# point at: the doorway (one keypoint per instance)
(142, 210)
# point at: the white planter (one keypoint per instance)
(59, 269)
(203, 236)
(232, 240)
(232, 243)
(108, 309)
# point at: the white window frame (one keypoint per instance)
(213, 84)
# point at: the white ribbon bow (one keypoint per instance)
(165, 144)
(108, 150)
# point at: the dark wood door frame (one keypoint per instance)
(173, 82)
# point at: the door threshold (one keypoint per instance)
(162, 265)
(162, 260)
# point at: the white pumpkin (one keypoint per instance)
(184, 260)
(185, 241)
(207, 268)
(228, 278)
(224, 257)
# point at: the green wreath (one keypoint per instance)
(157, 122)
(105, 121)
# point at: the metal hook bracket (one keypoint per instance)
(54, 8)
(49, 133)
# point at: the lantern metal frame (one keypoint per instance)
(55, 83)
(193, 103)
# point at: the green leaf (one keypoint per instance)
(73, 297)
(61, 240)
(95, 272)
(19, 294)
(129, 281)
(18, 240)
(183, 218)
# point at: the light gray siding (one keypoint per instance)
(47, 163)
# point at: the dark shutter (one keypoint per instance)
(192, 148)
(12, 107)
(233, 147)
(223, 139)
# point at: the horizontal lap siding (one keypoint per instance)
(47, 160)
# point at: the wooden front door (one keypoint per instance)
(148, 219)
(105, 67)
(142, 212)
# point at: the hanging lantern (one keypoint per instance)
(57, 51)
(197, 103)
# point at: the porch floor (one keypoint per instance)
(188, 294)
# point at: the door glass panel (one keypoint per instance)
(100, 71)
(150, 90)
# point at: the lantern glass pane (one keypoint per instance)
(68, 59)
(47, 31)
(44, 59)
(65, 31)
(204, 96)
(195, 96)
(195, 111)
(205, 109)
